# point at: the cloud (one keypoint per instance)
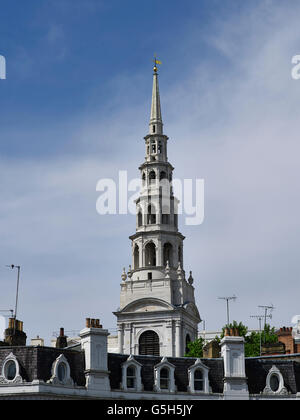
(232, 120)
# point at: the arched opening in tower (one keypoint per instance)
(140, 218)
(168, 254)
(150, 254)
(136, 257)
(149, 343)
(163, 175)
(152, 177)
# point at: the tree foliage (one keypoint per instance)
(252, 340)
(195, 348)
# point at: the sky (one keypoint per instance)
(75, 106)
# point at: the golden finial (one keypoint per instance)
(155, 61)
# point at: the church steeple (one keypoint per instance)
(157, 313)
(156, 124)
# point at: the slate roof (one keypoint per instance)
(257, 370)
(215, 376)
(36, 362)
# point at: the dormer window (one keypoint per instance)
(61, 372)
(10, 370)
(275, 382)
(164, 376)
(131, 375)
(198, 378)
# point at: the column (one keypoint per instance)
(120, 338)
(178, 338)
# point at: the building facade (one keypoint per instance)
(87, 371)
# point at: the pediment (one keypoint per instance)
(192, 309)
(147, 305)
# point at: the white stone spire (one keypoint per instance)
(156, 124)
(157, 304)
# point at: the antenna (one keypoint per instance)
(12, 266)
(260, 318)
(266, 307)
(228, 298)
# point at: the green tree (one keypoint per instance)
(195, 348)
(252, 340)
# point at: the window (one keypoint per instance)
(136, 257)
(152, 177)
(150, 255)
(149, 343)
(140, 219)
(131, 377)
(275, 382)
(163, 175)
(153, 129)
(61, 372)
(164, 378)
(168, 254)
(149, 276)
(198, 380)
(10, 370)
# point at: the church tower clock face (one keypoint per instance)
(157, 305)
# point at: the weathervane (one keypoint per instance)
(155, 61)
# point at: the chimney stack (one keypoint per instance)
(61, 341)
(14, 334)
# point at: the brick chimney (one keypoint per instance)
(14, 334)
(285, 336)
(61, 340)
(211, 350)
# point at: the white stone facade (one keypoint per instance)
(155, 294)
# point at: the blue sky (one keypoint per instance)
(75, 107)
